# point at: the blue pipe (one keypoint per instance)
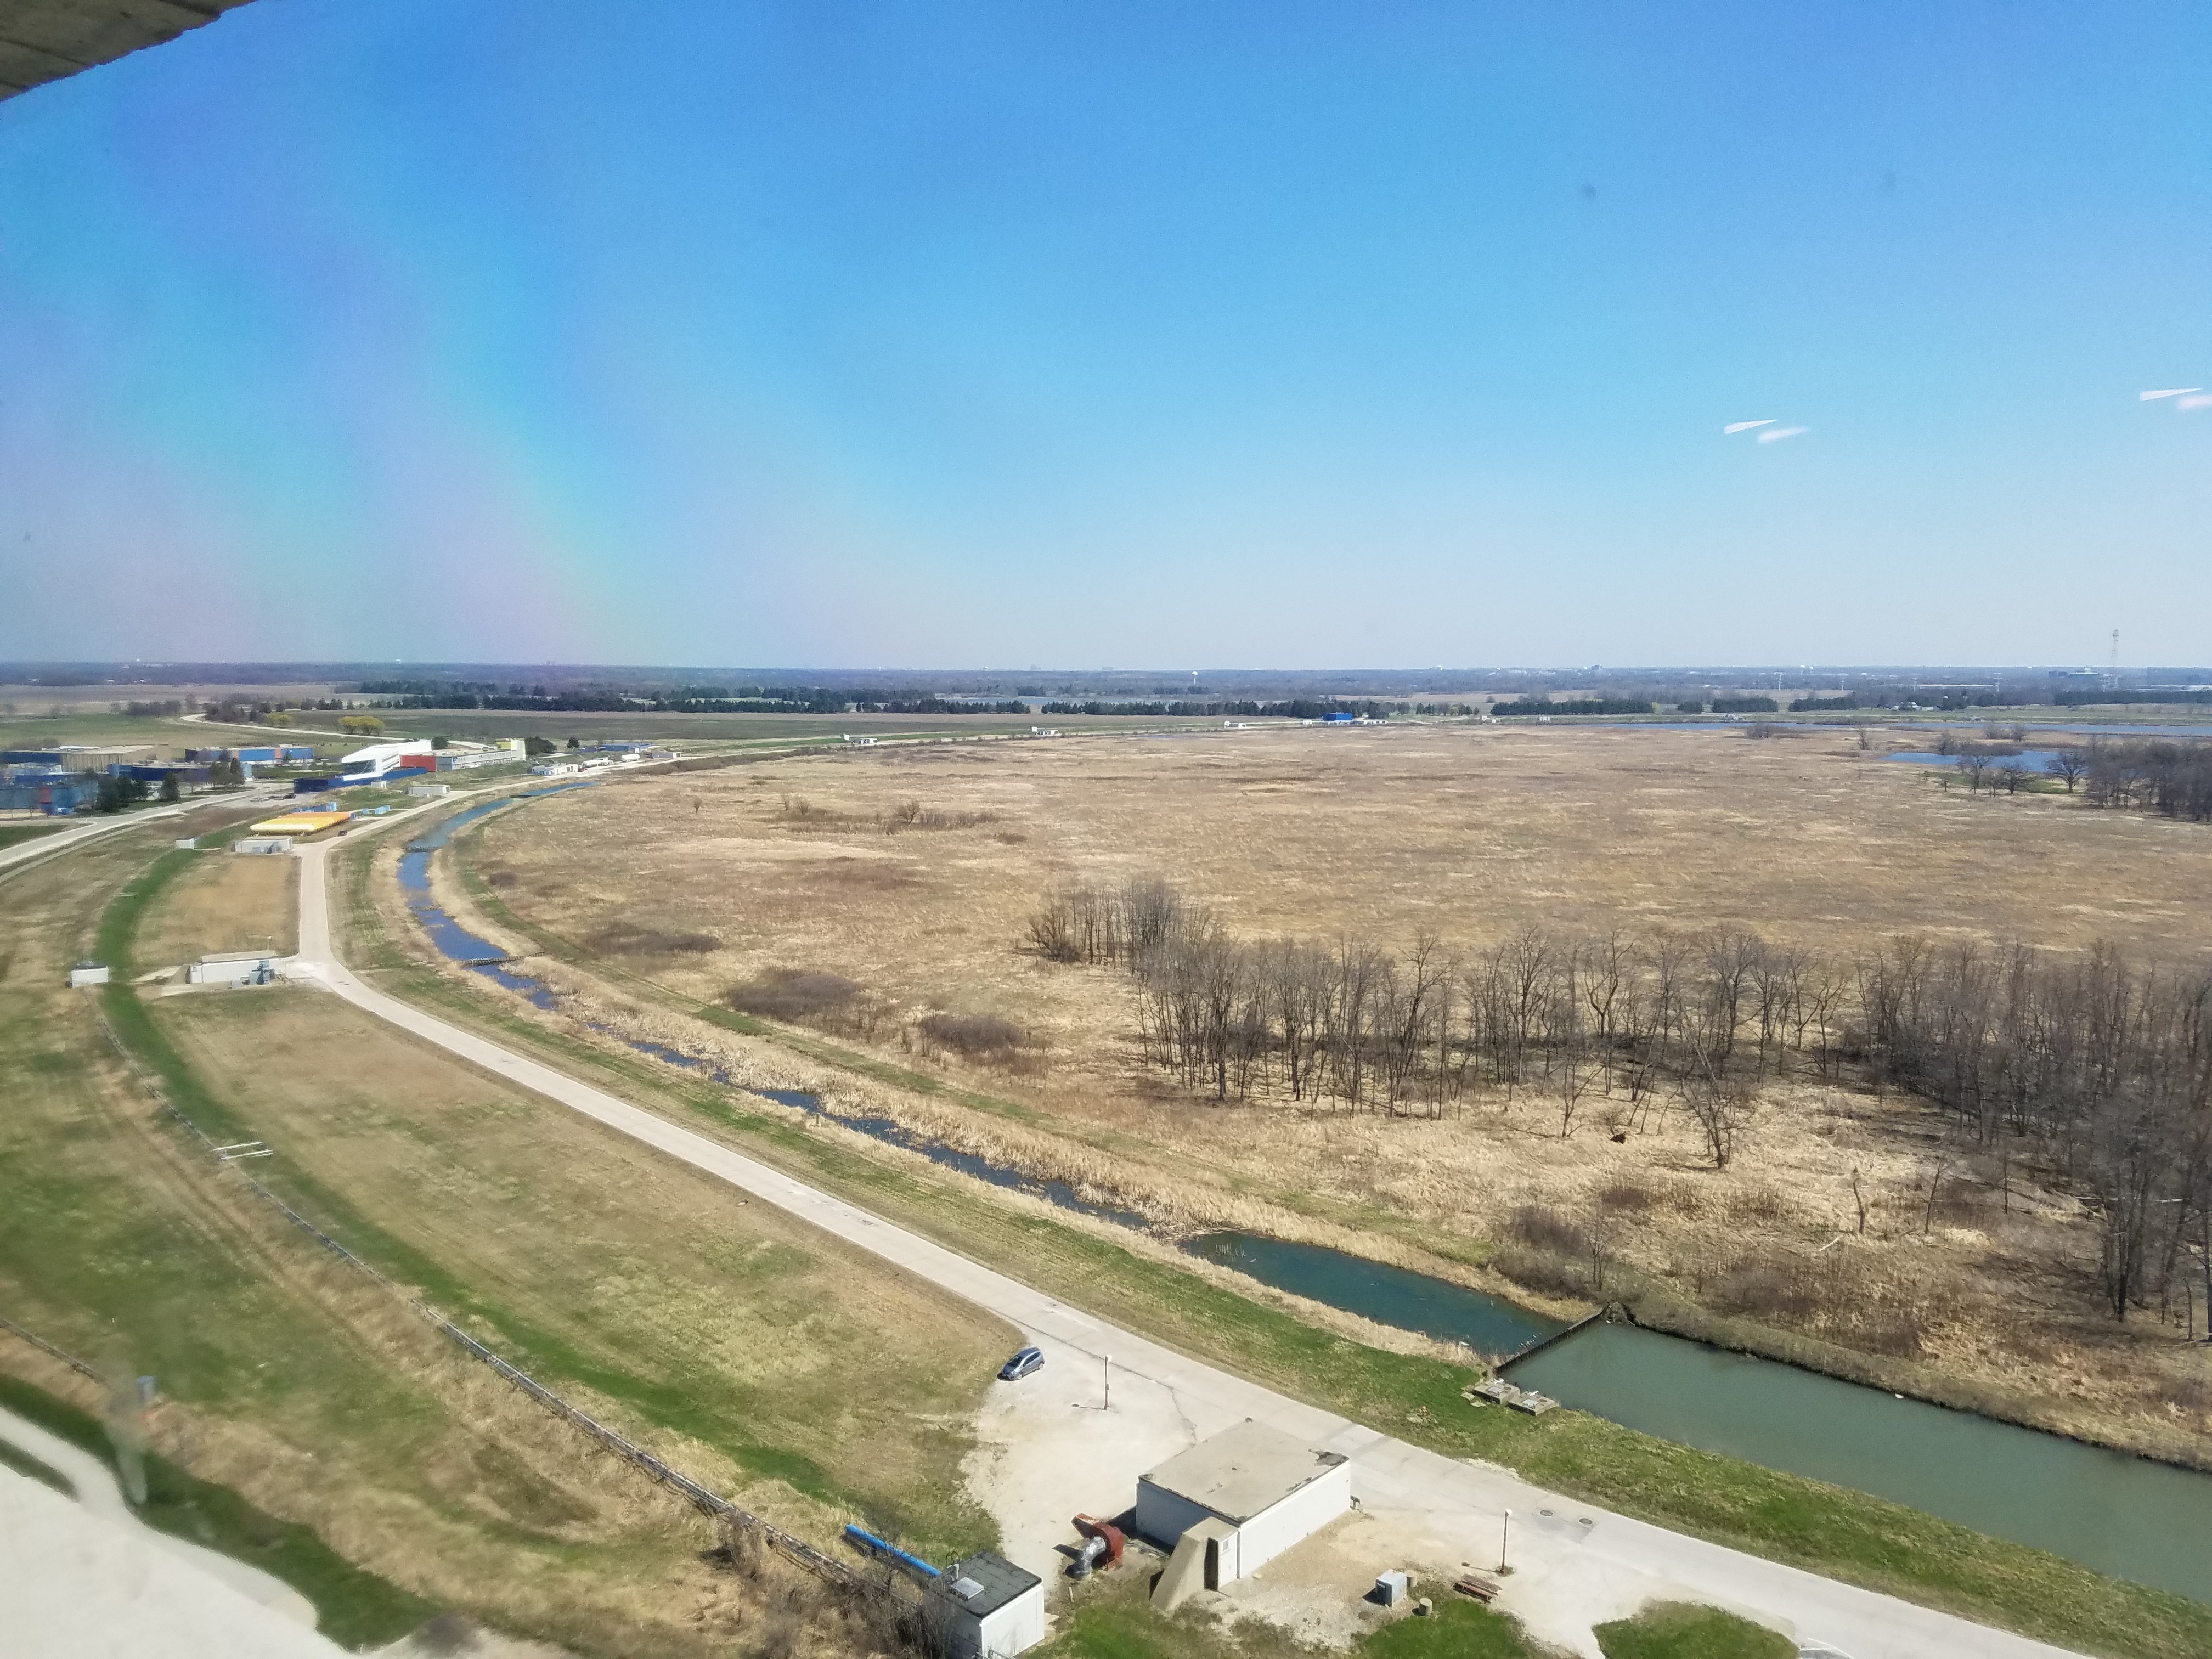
(875, 1546)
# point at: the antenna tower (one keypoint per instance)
(2112, 674)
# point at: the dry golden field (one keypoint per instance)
(820, 864)
(223, 902)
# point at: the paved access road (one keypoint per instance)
(55, 841)
(40, 847)
(1568, 1574)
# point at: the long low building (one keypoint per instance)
(81, 756)
(300, 823)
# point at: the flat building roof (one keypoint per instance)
(1243, 1471)
(995, 1580)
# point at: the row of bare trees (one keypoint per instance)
(2169, 778)
(2173, 779)
(2095, 1067)
(2102, 1065)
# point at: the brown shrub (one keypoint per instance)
(1759, 1290)
(1760, 1203)
(1545, 1229)
(1627, 1197)
(624, 940)
(792, 994)
(1872, 1328)
(1540, 1271)
(973, 1036)
(501, 878)
(913, 815)
(2192, 1394)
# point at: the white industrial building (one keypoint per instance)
(378, 758)
(233, 968)
(1230, 1505)
(986, 1607)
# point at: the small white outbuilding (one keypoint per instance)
(986, 1607)
(1239, 1499)
(87, 973)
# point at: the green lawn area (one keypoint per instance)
(1457, 1629)
(14, 834)
(1677, 1630)
(1113, 1621)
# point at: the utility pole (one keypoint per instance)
(1504, 1537)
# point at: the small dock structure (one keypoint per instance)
(1498, 1391)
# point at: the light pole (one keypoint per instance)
(1108, 1405)
(1504, 1537)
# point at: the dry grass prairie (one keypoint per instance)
(815, 866)
(224, 903)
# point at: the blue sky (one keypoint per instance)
(895, 334)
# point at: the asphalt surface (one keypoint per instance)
(1574, 1564)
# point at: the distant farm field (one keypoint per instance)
(879, 900)
(1465, 833)
(486, 725)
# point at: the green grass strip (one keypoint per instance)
(1677, 1630)
(550, 1358)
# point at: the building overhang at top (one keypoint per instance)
(43, 40)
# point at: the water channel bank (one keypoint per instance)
(479, 955)
(2117, 1514)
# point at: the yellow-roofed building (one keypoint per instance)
(300, 823)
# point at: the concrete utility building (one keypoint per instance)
(1230, 1505)
(986, 1607)
(233, 968)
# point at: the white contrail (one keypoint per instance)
(1744, 426)
(2170, 392)
(1782, 432)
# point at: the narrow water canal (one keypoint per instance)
(1492, 1327)
(481, 956)
(2127, 1516)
